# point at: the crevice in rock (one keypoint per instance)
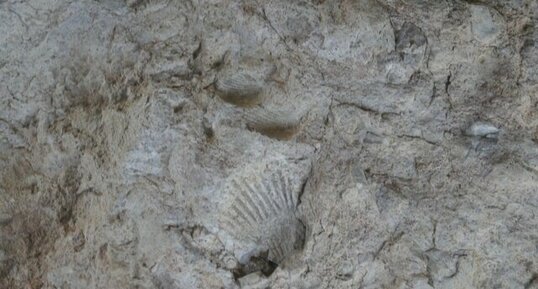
(532, 281)
(258, 263)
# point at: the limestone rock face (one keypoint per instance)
(268, 144)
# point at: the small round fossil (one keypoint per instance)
(482, 129)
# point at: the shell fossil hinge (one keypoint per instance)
(241, 89)
(280, 124)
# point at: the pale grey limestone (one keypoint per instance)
(412, 125)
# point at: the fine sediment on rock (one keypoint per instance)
(269, 144)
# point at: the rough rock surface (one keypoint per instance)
(268, 144)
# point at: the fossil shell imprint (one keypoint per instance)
(275, 123)
(262, 210)
(241, 89)
(482, 129)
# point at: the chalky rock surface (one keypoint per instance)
(268, 144)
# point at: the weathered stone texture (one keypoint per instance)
(268, 144)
